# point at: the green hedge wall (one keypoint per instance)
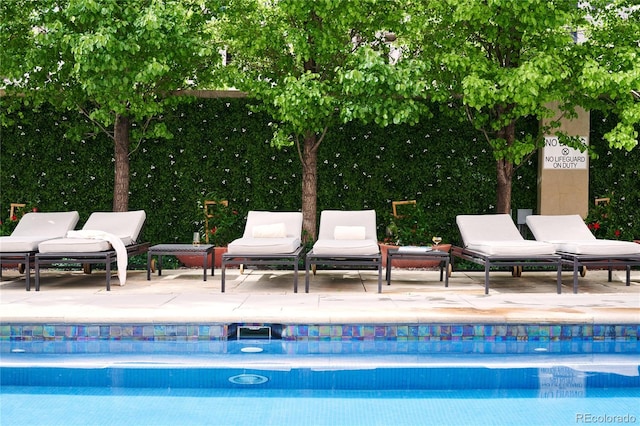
(220, 146)
(615, 174)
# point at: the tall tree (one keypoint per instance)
(497, 62)
(115, 62)
(610, 75)
(314, 64)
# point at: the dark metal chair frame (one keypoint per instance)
(290, 259)
(89, 258)
(490, 261)
(578, 262)
(343, 260)
(22, 258)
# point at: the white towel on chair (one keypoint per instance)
(122, 259)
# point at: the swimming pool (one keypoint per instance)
(280, 382)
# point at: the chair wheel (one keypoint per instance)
(583, 271)
(21, 268)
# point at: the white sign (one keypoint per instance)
(561, 157)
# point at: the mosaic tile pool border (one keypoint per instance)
(311, 332)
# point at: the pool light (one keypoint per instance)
(248, 379)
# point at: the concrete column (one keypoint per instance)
(563, 172)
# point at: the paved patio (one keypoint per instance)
(414, 296)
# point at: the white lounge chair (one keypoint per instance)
(579, 248)
(106, 237)
(34, 228)
(269, 238)
(494, 240)
(346, 238)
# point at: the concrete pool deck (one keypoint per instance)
(335, 297)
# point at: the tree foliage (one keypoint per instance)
(494, 63)
(610, 78)
(498, 62)
(115, 62)
(297, 57)
(314, 65)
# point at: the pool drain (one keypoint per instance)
(248, 379)
(254, 332)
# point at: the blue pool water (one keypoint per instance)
(135, 406)
(319, 383)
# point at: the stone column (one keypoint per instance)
(563, 172)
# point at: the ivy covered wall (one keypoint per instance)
(615, 174)
(220, 146)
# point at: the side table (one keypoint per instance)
(426, 253)
(177, 249)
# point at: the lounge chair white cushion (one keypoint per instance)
(330, 219)
(74, 245)
(497, 235)
(337, 248)
(328, 245)
(349, 233)
(9, 244)
(511, 248)
(260, 246)
(255, 241)
(569, 233)
(276, 230)
(292, 221)
(124, 225)
(36, 227)
(559, 227)
(598, 247)
(487, 227)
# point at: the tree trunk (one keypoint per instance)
(309, 160)
(121, 178)
(309, 186)
(503, 190)
(504, 171)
